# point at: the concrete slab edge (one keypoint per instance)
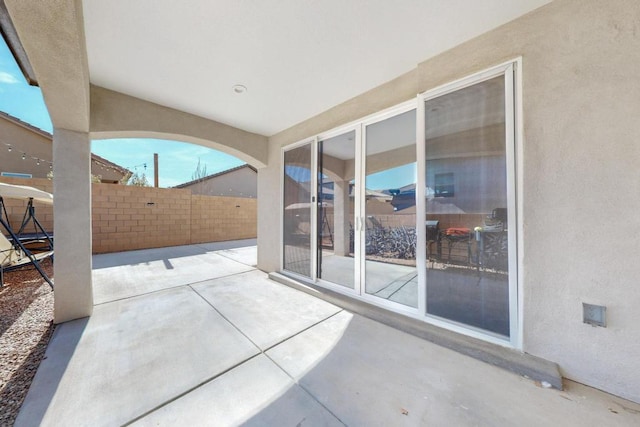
(524, 364)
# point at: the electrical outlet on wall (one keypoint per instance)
(594, 315)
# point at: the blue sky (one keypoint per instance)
(17, 97)
(177, 160)
(388, 179)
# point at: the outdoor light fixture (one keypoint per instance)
(24, 156)
(10, 148)
(239, 89)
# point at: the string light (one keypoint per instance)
(138, 166)
(106, 167)
(103, 166)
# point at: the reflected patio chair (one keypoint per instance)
(455, 236)
(492, 240)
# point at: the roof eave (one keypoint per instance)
(9, 34)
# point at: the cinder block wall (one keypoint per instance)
(16, 208)
(215, 219)
(128, 218)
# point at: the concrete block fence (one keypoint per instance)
(128, 218)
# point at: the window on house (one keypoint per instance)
(16, 175)
(444, 185)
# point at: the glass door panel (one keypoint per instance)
(297, 218)
(336, 180)
(466, 206)
(390, 209)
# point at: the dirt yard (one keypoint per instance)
(26, 325)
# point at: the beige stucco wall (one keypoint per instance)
(37, 144)
(24, 140)
(581, 95)
(116, 115)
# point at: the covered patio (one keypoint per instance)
(195, 335)
(263, 80)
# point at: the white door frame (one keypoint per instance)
(512, 70)
(372, 299)
(357, 250)
(513, 140)
(312, 214)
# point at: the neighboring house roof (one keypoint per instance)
(98, 161)
(25, 125)
(215, 175)
(109, 164)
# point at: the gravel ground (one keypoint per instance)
(26, 324)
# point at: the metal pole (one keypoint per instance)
(18, 244)
(155, 170)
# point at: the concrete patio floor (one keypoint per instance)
(197, 336)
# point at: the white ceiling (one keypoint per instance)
(296, 57)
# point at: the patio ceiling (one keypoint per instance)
(296, 58)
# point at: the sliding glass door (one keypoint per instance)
(390, 209)
(468, 141)
(336, 209)
(413, 209)
(299, 196)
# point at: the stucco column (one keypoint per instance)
(73, 294)
(269, 211)
(341, 217)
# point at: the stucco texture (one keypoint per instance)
(116, 115)
(53, 37)
(580, 192)
(579, 216)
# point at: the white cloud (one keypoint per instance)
(8, 78)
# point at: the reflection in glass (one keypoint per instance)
(297, 210)
(336, 169)
(390, 210)
(466, 191)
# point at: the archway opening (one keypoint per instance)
(174, 194)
